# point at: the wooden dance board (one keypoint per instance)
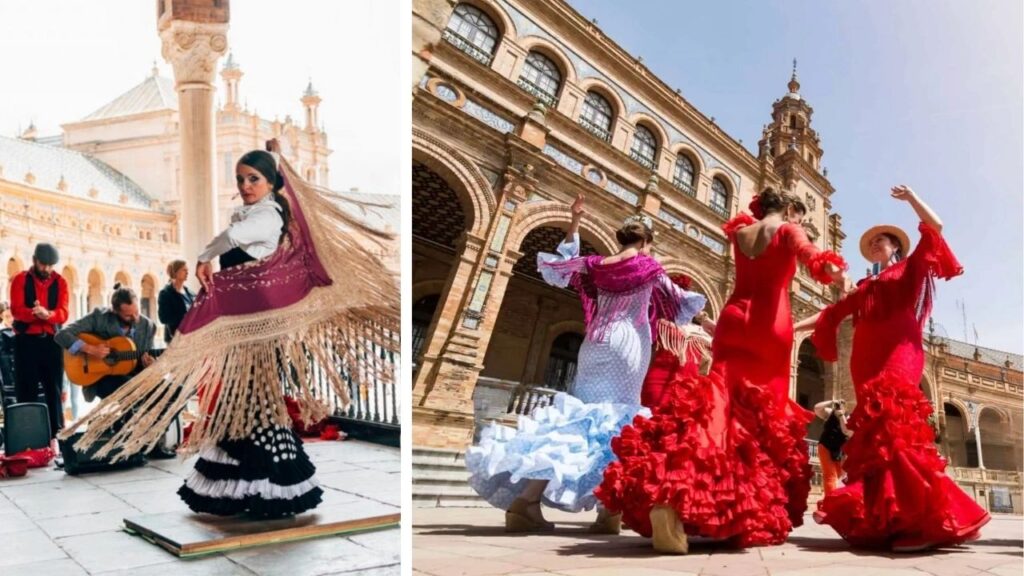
(186, 534)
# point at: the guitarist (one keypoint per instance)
(121, 319)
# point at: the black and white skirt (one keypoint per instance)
(266, 475)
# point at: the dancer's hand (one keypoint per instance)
(577, 205)
(903, 192)
(204, 273)
(273, 145)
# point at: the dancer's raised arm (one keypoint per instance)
(923, 211)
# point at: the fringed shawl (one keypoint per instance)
(619, 281)
(321, 304)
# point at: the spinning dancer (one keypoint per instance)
(724, 455)
(297, 294)
(897, 494)
(558, 454)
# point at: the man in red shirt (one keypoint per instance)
(39, 304)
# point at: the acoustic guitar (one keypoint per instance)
(85, 370)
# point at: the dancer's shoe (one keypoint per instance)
(669, 536)
(524, 516)
(606, 523)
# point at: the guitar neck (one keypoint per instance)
(135, 355)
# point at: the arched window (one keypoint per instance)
(684, 175)
(597, 116)
(720, 197)
(473, 32)
(561, 370)
(541, 78)
(645, 146)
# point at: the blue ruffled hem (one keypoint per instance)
(567, 443)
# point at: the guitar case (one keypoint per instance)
(76, 463)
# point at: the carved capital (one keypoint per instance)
(193, 48)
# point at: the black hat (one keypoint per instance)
(46, 254)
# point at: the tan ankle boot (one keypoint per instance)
(669, 536)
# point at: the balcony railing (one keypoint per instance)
(596, 130)
(985, 475)
(641, 159)
(547, 99)
(468, 47)
(374, 404)
(685, 188)
(722, 211)
(494, 398)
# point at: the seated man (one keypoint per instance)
(121, 319)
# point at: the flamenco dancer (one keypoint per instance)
(897, 495)
(294, 294)
(679, 351)
(558, 454)
(723, 456)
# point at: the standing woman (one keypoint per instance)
(724, 456)
(298, 294)
(558, 454)
(897, 494)
(175, 298)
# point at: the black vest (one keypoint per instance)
(52, 296)
(832, 437)
(234, 257)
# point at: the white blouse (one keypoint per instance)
(255, 228)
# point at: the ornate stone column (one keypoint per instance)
(194, 36)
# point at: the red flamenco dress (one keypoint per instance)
(727, 450)
(897, 494)
(680, 351)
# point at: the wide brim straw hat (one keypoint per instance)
(865, 239)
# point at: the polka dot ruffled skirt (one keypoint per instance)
(266, 475)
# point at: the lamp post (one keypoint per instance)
(972, 422)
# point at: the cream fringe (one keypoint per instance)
(679, 340)
(354, 320)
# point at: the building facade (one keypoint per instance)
(523, 105)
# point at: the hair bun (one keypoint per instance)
(117, 285)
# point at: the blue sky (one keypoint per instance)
(919, 92)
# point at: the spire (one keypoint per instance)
(230, 63)
(155, 71)
(310, 91)
(794, 84)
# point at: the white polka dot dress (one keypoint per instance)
(569, 442)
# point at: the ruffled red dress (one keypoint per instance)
(678, 353)
(727, 450)
(897, 494)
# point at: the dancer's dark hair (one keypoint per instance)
(264, 163)
(898, 254)
(632, 233)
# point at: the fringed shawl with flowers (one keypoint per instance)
(321, 304)
(907, 287)
(608, 290)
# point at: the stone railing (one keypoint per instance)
(987, 476)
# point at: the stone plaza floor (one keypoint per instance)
(472, 542)
(52, 524)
